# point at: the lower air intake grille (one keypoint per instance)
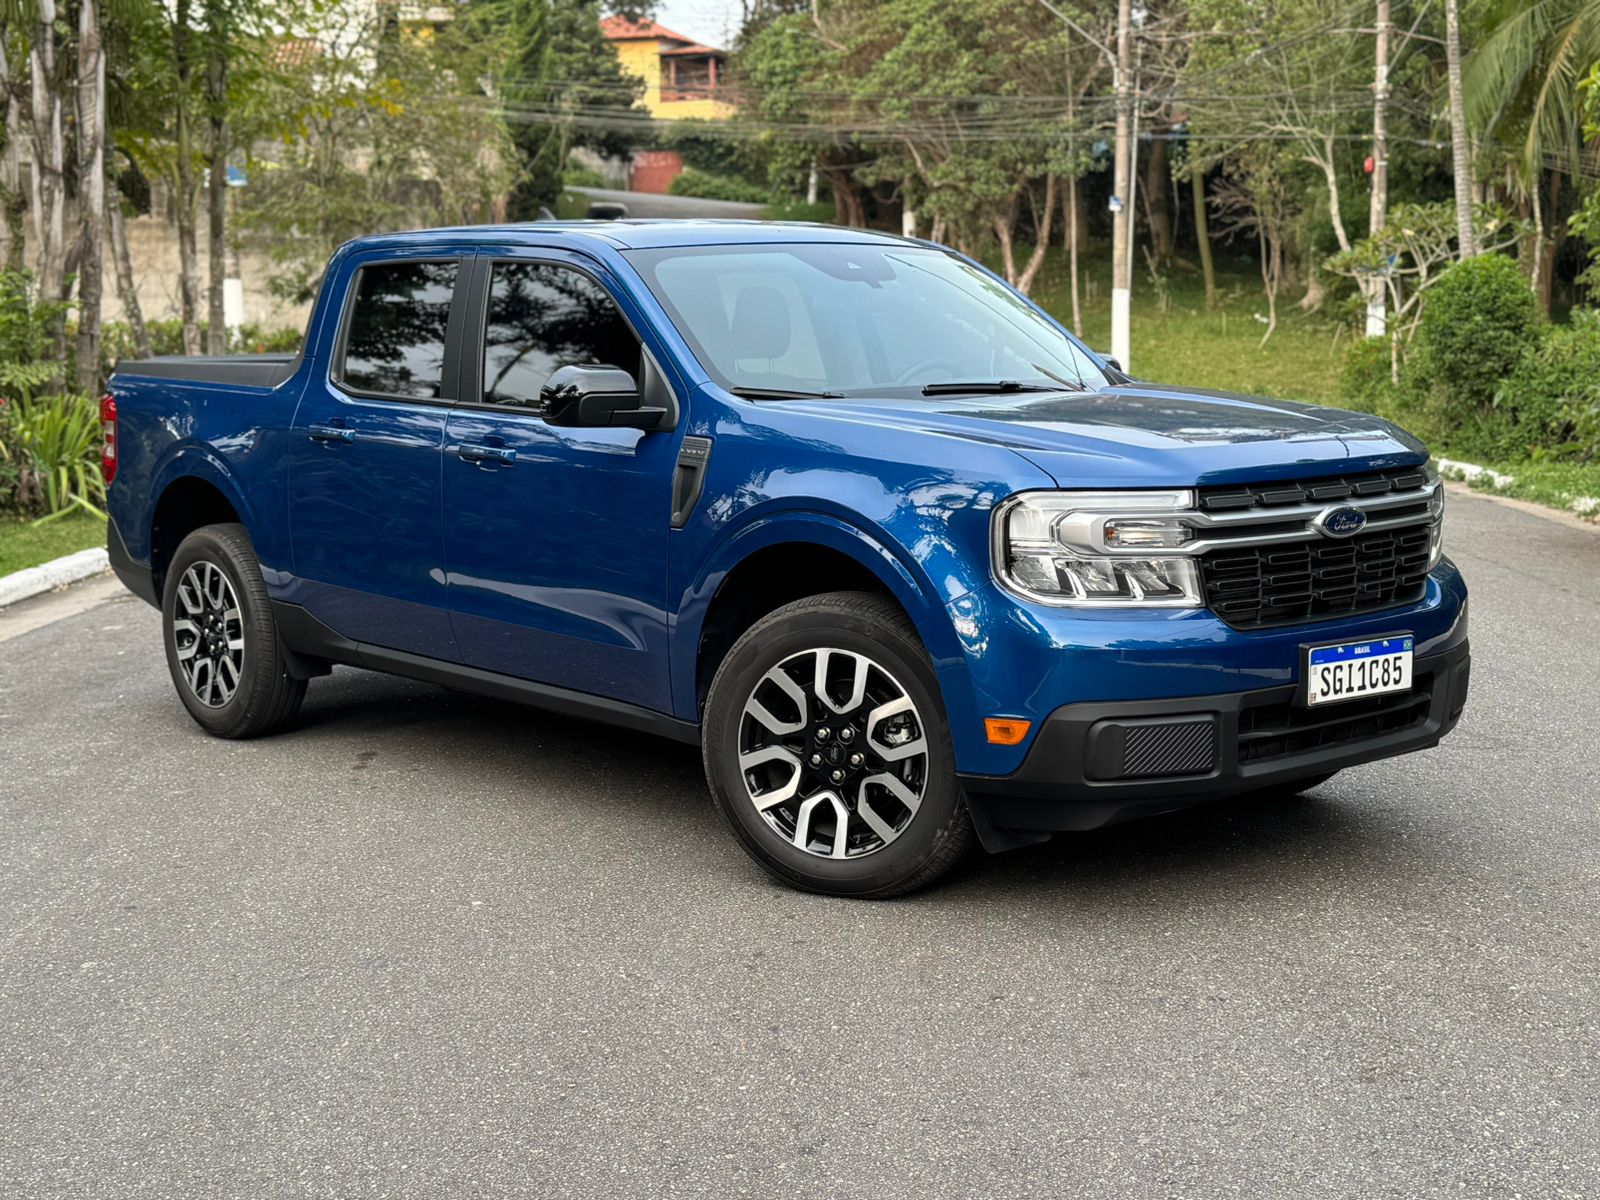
(1274, 730)
(1310, 581)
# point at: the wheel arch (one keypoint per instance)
(774, 561)
(194, 492)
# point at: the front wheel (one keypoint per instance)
(827, 750)
(222, 643)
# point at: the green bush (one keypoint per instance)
(694, 182)
(166, 337)
(580, 176)
(1550, 407)
(58, 441)
(1477, 323)
(1364, 381)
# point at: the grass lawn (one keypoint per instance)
(1176, 339)
(23, 545)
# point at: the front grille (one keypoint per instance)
(1276, 730)
(1294, 581)
(1311, 581)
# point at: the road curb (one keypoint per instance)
(1585, 508)
(30, 581)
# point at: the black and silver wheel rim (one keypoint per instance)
(208, 634)
(833, 753)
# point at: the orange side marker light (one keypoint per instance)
(1006, 731)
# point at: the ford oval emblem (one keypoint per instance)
(1341, 522)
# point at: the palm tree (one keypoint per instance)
(1522, 89)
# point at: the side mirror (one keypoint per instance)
(596, 397)
(1113, 364)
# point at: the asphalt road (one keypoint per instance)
(428, 946)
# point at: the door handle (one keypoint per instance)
(477, 453)
(330, 433)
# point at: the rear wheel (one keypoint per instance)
(222, 643)
(828, 753)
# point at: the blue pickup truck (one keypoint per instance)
(911, 565)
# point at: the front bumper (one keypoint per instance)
(1094, 763)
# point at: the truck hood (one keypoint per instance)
(1144, 435)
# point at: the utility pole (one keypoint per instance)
(1461, 149)
(1122, 199)
(1377, 318)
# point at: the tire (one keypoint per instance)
(905, 819)
(226, 659)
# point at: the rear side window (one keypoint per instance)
(394, 344)
(543, 316)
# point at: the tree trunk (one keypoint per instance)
(217, 192)
(1335, 212)
(1157, 209)
(48, 160)
(1122, 175)
(127, 290)
(1072, 254)
(1202, 233)
(13, 200)
(847, 208)
(1537, 281)
(1002, 233)
(1041, 241)
(1547, 253)
(1270, 270)
(1460, 147)
(188, 259)
(91, 190)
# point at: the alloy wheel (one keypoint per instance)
(208, 634)
(833, 753)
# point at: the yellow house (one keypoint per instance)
(681, 77)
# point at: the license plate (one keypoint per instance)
(1356, 669)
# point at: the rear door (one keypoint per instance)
(555, 538)
(364, 486)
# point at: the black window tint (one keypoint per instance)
(541, 317)
(395, 344)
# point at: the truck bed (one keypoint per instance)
(244, 370)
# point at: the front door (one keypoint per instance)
(365, 491)
(555, 538)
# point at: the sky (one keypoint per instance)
(713, 22)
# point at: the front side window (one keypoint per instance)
(541, 317)
(857, 319)
(394, 345)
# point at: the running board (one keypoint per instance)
(309, 638)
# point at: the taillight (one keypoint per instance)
(108, 427)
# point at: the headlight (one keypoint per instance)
(1093, 548)
(1436, 541)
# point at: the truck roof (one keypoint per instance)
(634, 234)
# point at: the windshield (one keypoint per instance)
(849, 320)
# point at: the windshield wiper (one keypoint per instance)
(757, 393)
(987, 386)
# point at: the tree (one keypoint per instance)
(49, 154)
(1460, 145)
(1521, 89)
(1586, 221)
(561, 76)
(91, 189)
(1407, 256)
(373, 132)
(220, 19)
